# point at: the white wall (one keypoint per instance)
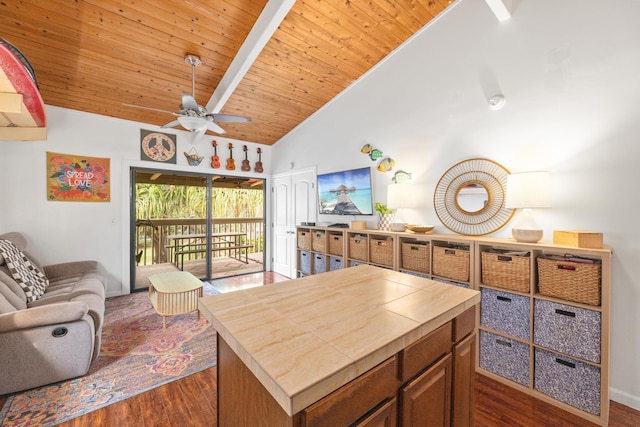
(68, 231)
(570, 72)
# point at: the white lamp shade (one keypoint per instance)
(528, 190)
(400, 196)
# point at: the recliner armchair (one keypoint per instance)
(57, 336)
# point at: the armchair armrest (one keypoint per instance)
(69, 268)
(45, 315)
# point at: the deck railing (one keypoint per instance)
(152, 244)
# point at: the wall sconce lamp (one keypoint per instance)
(527, 191)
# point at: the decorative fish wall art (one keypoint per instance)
(374, 153)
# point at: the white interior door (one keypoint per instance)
(294, 201)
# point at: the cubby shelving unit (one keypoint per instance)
(543, 330)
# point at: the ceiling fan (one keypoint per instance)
(194, 117)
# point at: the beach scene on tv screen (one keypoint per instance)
(346, 192)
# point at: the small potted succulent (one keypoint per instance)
(385, 216)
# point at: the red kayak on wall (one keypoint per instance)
(22, 113)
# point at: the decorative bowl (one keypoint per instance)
(398, 226)
(420, 228)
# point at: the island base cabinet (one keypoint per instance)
(426, 401)
(464, 366)
(428, 383)
(242, 400)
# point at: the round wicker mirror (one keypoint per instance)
(470, 197)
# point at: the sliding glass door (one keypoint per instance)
(211, 226)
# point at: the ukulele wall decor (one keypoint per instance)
(230, 163)
(215, 160)
(259, 162)
(246, 166)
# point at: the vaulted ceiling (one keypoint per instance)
(97, 56)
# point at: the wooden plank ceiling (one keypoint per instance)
(96, 55)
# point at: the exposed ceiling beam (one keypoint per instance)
(500, 8)
(268, 21)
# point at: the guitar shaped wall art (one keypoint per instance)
(259, 162)
(246, 166)
(215, 160)
(230, 163)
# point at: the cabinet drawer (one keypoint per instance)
(353, 400)
(505, 312)
(422, 353)
(567, 380)
(505, 357)
(464, 324)
(319, 263)
(305, 262)
(571, 330)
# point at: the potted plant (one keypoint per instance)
(385, 216)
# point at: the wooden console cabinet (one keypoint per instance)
(552, 344)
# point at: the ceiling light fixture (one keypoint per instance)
(192, 124)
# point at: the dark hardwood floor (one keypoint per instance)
(191, 401)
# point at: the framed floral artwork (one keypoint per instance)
(73, 178)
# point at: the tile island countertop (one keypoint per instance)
(307, 337)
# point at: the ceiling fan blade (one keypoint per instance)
(227, 118)
(215, 128)
(149, 108)
(189, 102)
(170, 124)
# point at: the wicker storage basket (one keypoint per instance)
(304, 239)
(451, 262)
(335, 244)
(358, 247)
(578, 281)
(415, 256)
(381, 251)
(318, 241)
(506, 270)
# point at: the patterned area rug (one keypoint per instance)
(136, 355)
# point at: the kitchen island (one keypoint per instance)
(357, 345)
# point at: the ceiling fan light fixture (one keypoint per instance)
(192, 124)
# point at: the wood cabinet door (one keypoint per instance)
(464, 361)
(426, 400)
(385, 416)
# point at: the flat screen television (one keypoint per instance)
(345, 192)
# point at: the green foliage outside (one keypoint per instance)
(170, 201)
(154, 201)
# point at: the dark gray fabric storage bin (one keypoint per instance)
(505, 312)
(335, 263)
(305, 262)
(319, 263)
(570, 330)
(505, 357)
(568, 380)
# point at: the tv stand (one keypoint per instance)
(339, 225)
